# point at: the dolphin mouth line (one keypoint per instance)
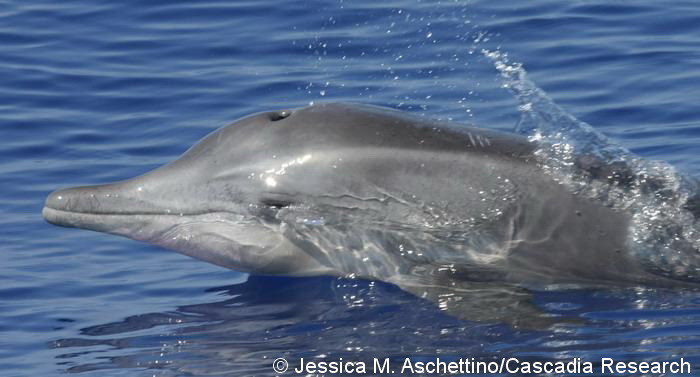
(174, 214)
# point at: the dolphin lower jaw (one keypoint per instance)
(243, 249)
(141, 227)
(178, 232)
(153, 227)
(225, 239)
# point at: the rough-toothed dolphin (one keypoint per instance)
(358, 190)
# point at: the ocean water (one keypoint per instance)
(97, 91)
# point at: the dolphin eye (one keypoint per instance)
(279, 115)
(275, 203)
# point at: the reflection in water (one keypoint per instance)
(269, 317)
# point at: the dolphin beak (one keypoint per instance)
(88, 206)
(114, 208)
(78, 199)
(48, 212)
(64, 207)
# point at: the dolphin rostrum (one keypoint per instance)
(357, 190)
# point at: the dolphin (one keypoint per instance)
(363, 191)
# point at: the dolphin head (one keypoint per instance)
(220, 201)
(325, 189)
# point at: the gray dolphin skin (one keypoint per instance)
(363, 191)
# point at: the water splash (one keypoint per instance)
(664, 232)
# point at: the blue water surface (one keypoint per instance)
(97, 91)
